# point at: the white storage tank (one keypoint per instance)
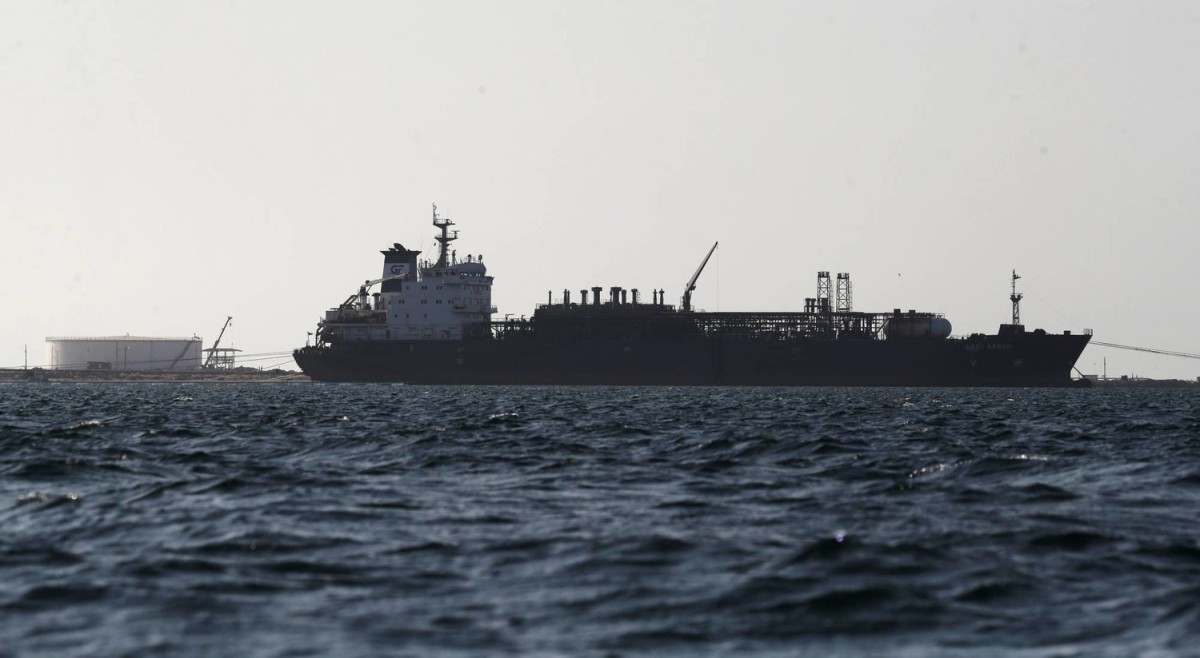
(123, 353)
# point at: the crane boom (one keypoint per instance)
(362, 290)
(212, 353)
(368, 284)
(691, 284)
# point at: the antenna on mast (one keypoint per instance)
(1016, 299)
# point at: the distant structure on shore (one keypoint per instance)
(220, 358)
(123, 353)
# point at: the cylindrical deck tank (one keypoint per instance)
(907, 327)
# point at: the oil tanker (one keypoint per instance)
(431, 322)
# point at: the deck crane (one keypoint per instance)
(212, 353)
(357, 302)
(360, 297)
(691, 284)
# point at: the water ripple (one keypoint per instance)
(282, 520)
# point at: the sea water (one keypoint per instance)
(389, 520)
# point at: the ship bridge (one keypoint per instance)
(469, 268)
(418, 300)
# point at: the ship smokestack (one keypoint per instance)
(399, 265)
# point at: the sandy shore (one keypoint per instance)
(99, 376)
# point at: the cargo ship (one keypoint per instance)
(431, 322)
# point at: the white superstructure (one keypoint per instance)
(417, 300)
(123, 353)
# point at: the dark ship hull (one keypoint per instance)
(431, 323)
(1021, 360)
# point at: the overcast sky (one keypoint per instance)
(166, 164)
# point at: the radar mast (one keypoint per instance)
(444, 240)
(1016, 299)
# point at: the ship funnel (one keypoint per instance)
(399, 265)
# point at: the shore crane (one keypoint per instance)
(212, 352)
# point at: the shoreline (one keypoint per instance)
(39, 375)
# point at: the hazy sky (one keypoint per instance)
(166, 164)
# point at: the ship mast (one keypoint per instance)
(1016, 299)
(444, 239)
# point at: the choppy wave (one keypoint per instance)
(286, 519)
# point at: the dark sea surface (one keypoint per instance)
(387, 520)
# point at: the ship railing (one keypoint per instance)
(509, 327)
(467, 304)
(791, 326)
(356, 317)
